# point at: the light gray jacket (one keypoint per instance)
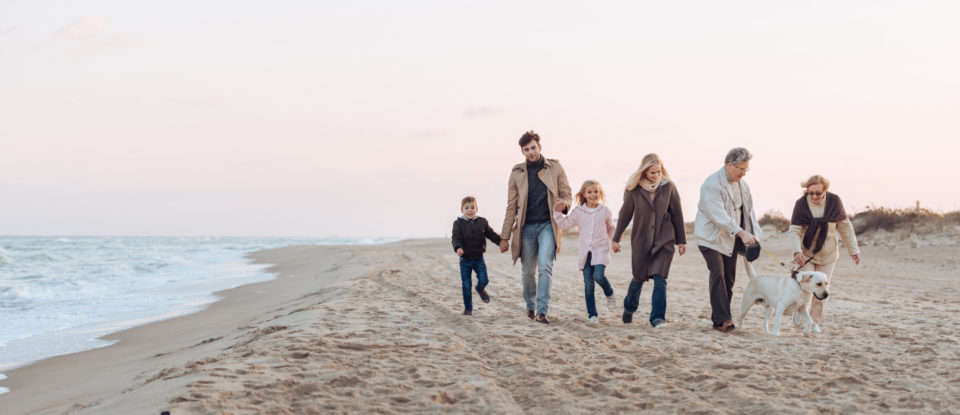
(716, 226)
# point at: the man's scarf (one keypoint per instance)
(817, 227)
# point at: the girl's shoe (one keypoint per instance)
(611, 303)
(593, 319)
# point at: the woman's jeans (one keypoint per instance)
(537, 252)
(467, 266)
(658, 302)
(593, 274)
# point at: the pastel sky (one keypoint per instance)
(374, 118)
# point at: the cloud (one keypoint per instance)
(9, 31)
(97, 47)
(82, 28)
(483, 112)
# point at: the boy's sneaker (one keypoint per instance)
(611, 303)
(593, 319)
(659, 323)
(467, 312)
(484, 296)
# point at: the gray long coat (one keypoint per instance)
(657, 228)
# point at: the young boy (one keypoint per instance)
(469, 232)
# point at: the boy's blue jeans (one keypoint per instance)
(467, 266)
(593, 274)
(658, 303)
(537, 252)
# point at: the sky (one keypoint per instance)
(374, 118)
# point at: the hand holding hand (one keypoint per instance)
(856, 259)
(682, 248)
(504, 246)
(559, 206)
(616, 247)
(459, 251)
(798, 258)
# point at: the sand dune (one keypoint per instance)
(378, 329)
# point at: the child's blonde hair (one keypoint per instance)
(645, 164)
(581, 195)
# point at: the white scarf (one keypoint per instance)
(648, 185)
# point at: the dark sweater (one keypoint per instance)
(469, 234)
(538, 209)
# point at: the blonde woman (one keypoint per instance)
(818, 218)
(652, 202)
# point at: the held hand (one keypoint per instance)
(459, 251)
(682, 249)
(616, 247)
(747, 238)
(559, 206)
(798, 258)
(504, 246)
(856, 259)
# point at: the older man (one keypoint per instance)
(725, 223)
(534, 187)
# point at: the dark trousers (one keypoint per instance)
(593, 274)
(723, 273)
(467, 267)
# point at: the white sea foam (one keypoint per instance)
(59, 295)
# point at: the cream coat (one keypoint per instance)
(716, 226)
(555, 179)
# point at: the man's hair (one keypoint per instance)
(738, 155)
(528, 137)
(468, 199)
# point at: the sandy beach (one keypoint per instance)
(378, 329)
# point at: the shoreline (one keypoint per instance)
(355, 329)
(50, 385)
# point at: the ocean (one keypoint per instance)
(59, 294)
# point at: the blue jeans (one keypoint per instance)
(537, 252)
(658, 302)
(594, 274)
(466, 267)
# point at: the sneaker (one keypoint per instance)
(542, 318)
(796, 320)
(593, 319)
(484, 296)
(467, 312)
(627, 317)
(659, 323)
(816, 329)
(611, 303)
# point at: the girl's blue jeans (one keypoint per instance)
(593, 274)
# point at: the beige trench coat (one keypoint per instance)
(555, 178)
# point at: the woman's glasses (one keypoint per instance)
(817, 194)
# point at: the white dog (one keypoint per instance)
(783, 295)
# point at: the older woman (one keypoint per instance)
(652, 202)
(818, 217)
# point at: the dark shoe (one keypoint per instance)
(531, 315)
(627, 317)
(542, 318)
(467, 312)
(484, 296)
(726, 327)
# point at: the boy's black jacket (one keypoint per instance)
(469, 235)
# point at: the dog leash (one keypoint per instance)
(793, 272)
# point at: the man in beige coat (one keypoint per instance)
(533, 189)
